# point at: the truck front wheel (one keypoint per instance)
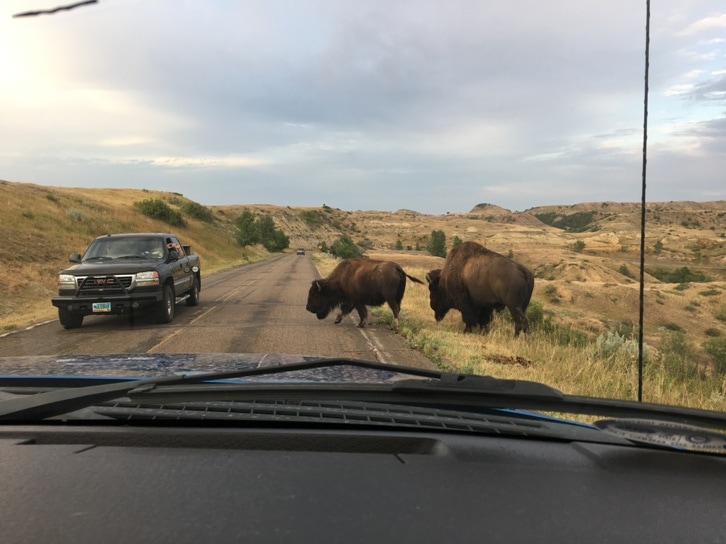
(165, 308)
(69, 320)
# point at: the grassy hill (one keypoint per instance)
(585, 259)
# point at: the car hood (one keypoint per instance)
(116, 266)
(79, 382)
(151, 365)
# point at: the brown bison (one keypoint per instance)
(358, 282)
(477, 281)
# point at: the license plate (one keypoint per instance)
(101, 306)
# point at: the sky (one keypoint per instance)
(429, 105)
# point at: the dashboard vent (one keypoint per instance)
(327, 413)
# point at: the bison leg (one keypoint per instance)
(345, 309)
(485, 318)
(470, 319)
(363, 313)
(520, 321)
(396, 309)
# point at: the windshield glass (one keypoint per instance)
(132, 247)
(443, 185)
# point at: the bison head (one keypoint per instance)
(438, 300)
(320, 302)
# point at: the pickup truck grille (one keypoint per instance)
(107, 285)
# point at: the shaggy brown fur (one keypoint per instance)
(358, 282)
(477, 281)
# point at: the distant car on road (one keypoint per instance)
(300, 251)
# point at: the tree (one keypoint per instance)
(456, 242)
(399, 244)
(344, 248)
(277, 242)
(247, 229)
(437, 243)
(266, 226)
(260, 230)
(273, 239)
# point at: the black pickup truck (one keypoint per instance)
(126, 273)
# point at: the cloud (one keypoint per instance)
(425, 105)
(707, 24)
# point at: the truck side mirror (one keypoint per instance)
(74, 258)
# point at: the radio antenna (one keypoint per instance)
(641, 303)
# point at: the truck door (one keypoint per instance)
(181, 272)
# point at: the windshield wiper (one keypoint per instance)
(99, 258)
(54, 403)
(426, 387)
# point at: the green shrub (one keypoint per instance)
(78, 215)
(197, 211)
(312, 217)
(677, 356)
(344, 248)
(161, 211)
(710, 293)
(712, 332)
(679, 275)
(611, 344)
(575, 222)
(563, 335)
(682, 286)
(672, 327)
(535, 313)
(716, 348)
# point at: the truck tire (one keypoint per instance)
(69, 320)
(165, 308)
(193, 298)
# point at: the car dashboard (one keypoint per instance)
(165, 482)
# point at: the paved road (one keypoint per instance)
(259, 308)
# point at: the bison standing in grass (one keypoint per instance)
(477, 281)
(357, 283)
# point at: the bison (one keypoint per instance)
(358, 282)
(477, 281)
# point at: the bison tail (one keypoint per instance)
(415, 280)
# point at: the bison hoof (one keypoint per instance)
(338, 319)
(362, 324)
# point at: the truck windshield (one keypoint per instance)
(147, 248)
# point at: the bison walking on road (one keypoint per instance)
(357, 283)
(477, 281)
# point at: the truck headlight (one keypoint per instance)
(147, 279)
(66, 281)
